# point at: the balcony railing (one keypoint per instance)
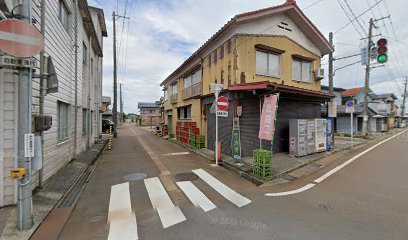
(192, 91)
(173, 98)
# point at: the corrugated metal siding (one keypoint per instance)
(249, 123)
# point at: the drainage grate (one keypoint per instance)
(186, 176)
(135, 176)
(288, 177)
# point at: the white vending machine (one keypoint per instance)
(297, 137)
(310, 136)
(320, 138)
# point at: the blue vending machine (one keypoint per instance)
(329, 134)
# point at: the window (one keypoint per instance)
(184, 112)
(84, 53)
(174, 89)
(222, 52)
(302, 70)
(166, 95)
(63, 14)
(215, 56)
(209, 60)
(192, 79)
(63, 114)
(267, 64)
(84, 121)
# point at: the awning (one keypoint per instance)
(273, 87)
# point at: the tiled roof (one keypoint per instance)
(352, 92)
(291, 4)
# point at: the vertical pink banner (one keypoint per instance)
(267, 124)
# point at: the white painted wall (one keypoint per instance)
(269, 25)
(59, 44)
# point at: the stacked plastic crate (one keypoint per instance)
(262, 165)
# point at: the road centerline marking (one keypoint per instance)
(334, 170)
(222, 189)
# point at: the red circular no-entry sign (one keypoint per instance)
(222, 103)
(20, 39)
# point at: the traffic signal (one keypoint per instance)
(382, 50)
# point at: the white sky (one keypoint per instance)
(161, 34)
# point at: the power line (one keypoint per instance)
(355, 17)
(350, 22)
(311, 5)
(349, 18)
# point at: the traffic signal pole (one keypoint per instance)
(24, 204)
(367, 78)
(403, 101)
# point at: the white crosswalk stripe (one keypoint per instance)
(196, 196)
(122, 221)
(222, 189)
(169, 214)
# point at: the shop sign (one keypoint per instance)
(268, 115)
(236, 140)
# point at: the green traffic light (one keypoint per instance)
(383, 58)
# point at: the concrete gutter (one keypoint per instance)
(53, 192)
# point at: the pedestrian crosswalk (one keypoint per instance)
(122, 221)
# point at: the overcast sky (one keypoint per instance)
(161, 34)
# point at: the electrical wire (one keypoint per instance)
(355, 17)
(350, 19)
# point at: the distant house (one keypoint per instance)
(336, 92)
(149, 113)
(387, 107)
(106, 112)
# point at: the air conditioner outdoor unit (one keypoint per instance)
(319, 73)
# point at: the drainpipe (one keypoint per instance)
(90, 76)
(43, 92)
(76, 81)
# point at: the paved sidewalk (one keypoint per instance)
(51, 195)
(286, 168)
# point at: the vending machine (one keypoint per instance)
(310, 136)
(297, 137)
(320, 136)
(329, 134)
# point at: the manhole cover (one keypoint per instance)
(186, 176)
(135, 176)
(325, 207)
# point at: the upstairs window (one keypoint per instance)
(192, 79)
(166, 95)
(302, 70)
(62, 118)
(222, 51)
(267, 64)
(63, 14)
(174, 89)
(215, 56)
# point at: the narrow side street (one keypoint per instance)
(358, 202)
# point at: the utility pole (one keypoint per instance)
(115, 104)
(404, 97)
(25, 211)
(367, 78)
(43, 92)
(115, 86)
(121, 104)
(331, 60)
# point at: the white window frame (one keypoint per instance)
(63, 120)
(304, 64)
(63, 9)
(174, 89)
(165, 95)
(269, 72)
(192, 79)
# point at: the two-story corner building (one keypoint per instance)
(271, 50)
(69, 25)
(149, 113)
(387, 107)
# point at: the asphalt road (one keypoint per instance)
(367, 199)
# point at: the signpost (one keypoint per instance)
(236, 140)
(20, 39)
(350, 109)
(217, 89)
